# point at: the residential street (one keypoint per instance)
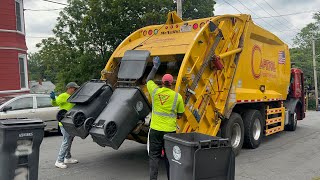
(283, 156)
(110, 66)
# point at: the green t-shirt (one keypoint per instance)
(62, 102)
(166, 103)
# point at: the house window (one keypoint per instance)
(19, 16)
(23, 71)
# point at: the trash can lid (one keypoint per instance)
(17, 121)
(192, 139)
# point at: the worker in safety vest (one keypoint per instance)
(167, 106)
(64, 156)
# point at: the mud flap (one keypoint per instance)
(127, 106)
(90, 99)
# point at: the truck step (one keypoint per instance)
(273, 120)
(274, 111)
(274, 130)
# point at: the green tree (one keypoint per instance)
(88, 31)
(302, 54)
(35, 67)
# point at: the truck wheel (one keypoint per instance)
(293, 121)
(234, 130)
(253, 125)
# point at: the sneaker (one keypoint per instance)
(70, 161)
(60, 165)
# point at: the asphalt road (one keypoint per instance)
(283, 156)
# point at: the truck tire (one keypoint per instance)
(293, 121)
(234, 130)
(253, 128)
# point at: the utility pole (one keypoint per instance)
(179, 8)
(315, 72)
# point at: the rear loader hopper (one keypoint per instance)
(233, 75)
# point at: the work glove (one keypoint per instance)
(156, 62)
(53, 95)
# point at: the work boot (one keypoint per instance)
(70, 161)
(60, 165)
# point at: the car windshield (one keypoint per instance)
(5, 99)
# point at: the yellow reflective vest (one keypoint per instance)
(62, 102)
(166, 103)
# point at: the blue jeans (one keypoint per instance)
(65, 146)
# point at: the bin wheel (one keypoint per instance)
(78, 119)
(253, 125)
(110, 129)
(61, 114)
(88, 124)
(293, 121)
(234, 130)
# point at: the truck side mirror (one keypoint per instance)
(6, 108)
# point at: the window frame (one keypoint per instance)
(37, 102)
(20, 98)
(24, 57)
(21, 16)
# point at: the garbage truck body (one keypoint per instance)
(234, 76)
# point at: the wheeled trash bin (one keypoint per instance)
(195, 156)
(20, 141)
(126, 108)
(90, 99)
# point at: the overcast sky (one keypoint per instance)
(39, 24)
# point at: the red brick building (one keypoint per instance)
(13, 49)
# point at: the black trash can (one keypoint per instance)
(195, 156)
(20, 141)
(90, 99)
(126, 108)
(128, 104)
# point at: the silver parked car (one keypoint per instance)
(31, 106)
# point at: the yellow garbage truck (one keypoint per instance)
(234, 76)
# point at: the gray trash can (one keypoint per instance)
(90, 99)
(126, 108)
(20, 141)
(195, 156)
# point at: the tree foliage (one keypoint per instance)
(88, 31)
(301, 55)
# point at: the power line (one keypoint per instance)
(255, 14)
(271, 15)
(279, 14)
(252, 13)
(218, 5)
(232, 6)
(43, 9)
(54, 2)
(261, 19)
(35, 37)
(287, 30)
(283, 15)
